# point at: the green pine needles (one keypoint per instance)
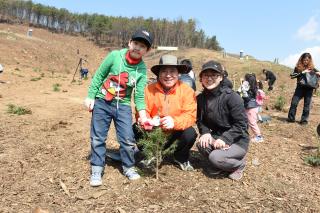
(153, 143)
(314, 160)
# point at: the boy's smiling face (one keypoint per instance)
(137, 49)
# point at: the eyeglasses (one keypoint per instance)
(213, 76)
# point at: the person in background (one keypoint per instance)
(303, 66)
(226, 81)
(109, 98)
(175, 103)
(261, 96)
(248, 91)
(189, 77)
(270, 78)
(222, 123)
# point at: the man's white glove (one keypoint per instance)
(89, 103)
(155, 121)
(167, 122)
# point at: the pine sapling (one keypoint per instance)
(153, 143)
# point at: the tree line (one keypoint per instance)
(106, 30)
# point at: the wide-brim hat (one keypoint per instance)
(212, 65)
(169, 60)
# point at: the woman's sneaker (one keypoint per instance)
(303, 123)
(237, 174)
(257, 139)
(96, 176)
(131, 173)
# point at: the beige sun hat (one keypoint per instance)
(169, 60)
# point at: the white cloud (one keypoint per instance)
(309, 31)
(292, 59)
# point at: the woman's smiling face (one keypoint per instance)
(210, 79)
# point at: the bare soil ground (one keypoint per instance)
(44, 155)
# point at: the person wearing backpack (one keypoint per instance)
(303, 68)
(188, 78)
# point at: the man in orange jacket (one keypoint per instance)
(175, 103)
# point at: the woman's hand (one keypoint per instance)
(305, 71)
(206, 140)
(219, 144)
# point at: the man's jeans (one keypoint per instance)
(103, 113)
(300, 93)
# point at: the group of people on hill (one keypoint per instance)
(222, 115)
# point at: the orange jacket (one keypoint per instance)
(179, 103)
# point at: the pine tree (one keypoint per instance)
(153, 143)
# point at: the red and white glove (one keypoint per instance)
(167, 122)
(89, 103)
(147, 125)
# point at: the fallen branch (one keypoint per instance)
(64, 187)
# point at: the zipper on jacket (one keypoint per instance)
(166, 104)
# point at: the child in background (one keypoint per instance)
(122, 73)
(261, 96)
(248, 91)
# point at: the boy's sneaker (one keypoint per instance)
(257, 139)
(131, 173)
(96, 174)
(186, 166)
(237, 175)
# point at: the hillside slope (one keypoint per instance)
(44, 155)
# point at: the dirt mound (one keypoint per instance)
(44, 155)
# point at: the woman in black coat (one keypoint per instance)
(222, 123)
(304, 65)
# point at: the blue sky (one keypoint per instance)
(264, 29)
